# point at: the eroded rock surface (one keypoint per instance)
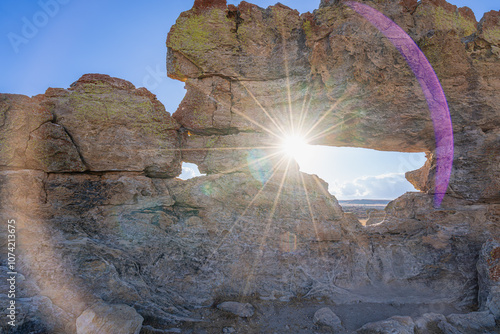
(333, 68)
(488, 268)
(89, 174)
(118, 127)
(30, 138)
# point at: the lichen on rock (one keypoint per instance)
(118, 127)
(110, 237)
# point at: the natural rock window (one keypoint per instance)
(105, 224)
(189, 170)
(363, 180)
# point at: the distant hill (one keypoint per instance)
(364, 202)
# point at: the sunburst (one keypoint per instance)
(292, 137)
(294, 146)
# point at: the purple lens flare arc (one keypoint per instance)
(431, 87)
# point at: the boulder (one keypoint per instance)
(474, 322)
(243, 310)
(429, 323)
(109, 319)
(396, 324)
(326, 317)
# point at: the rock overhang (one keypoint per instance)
(170, 247)
(348, 74)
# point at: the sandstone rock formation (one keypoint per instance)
(117, 127)
(31, 139)
(256, 65)
(89, 175)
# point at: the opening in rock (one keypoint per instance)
(363, 180)
(189, 171)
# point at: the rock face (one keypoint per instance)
(88, 173)
(118, 127)
(246, 68)
(99, 124)
(30, 138)
(488, 268)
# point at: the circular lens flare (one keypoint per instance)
(431, 87)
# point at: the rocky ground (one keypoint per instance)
(298, 316)
(108, 240)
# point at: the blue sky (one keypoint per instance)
(51, 43)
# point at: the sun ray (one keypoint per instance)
(271, 132)
(291, 127)
(289, 93)
(305, 109)
(326, 193)
(278, 126)
(240, 218)
(306, 192)
(233, 110)
(333, 107)
(266, 232)
(326, 131)
(248, 164)
(236, 148)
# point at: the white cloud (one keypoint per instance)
(386, 186)
(189, 171)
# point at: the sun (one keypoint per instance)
(294, 146)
